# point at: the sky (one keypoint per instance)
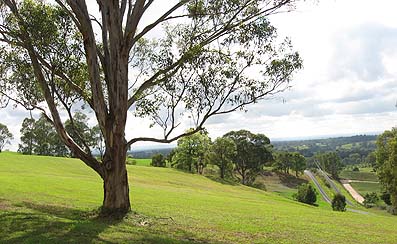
(347, 86)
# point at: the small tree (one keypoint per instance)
(5, 136)
(306, 194)
(158, 160)
(385, 196)
(191, 151)
(370, 199)
(222, 152)
(27, 136)
(339, 203)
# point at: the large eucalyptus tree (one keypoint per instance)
(209, 57)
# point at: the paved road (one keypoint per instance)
(324, 194)
(332, 184)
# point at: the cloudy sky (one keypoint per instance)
(348, 84)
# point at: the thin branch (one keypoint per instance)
(154, 24)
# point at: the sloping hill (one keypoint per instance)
(50, 200)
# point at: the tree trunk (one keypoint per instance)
(393, 207)
(116, 199)
(222, 169)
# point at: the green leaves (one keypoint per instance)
(253, 152)
(57, 46)
(386, 159)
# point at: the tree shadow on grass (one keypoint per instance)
(225, 181)
(290, 180)
(36, 223)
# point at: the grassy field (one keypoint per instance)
(143, 161)
(365, 174)
(366, 187)
(54, 200)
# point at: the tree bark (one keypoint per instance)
(116, 200)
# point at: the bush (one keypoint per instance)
(356, 169)
(158, 160)
(370, 199)
(386, 197)
(306, 194)
(130, 161)
(339, 203)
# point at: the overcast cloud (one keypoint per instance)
(348, 84)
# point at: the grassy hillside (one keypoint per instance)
(51, 200)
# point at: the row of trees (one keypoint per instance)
(240, 153)
(40, 137)
(237, 153)
(330, 162)
(286, 161)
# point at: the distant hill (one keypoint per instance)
(148, 153)
(352, 149)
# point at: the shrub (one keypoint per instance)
(306, 194)
(158, 160)
(370, 199)
(130, 161)
(339, 203)
(386, 197)
(356, 169)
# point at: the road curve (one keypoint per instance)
(332, 184)
(324, 194)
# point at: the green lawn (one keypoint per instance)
(143, 161)
(53, 200)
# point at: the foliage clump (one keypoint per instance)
(386, 167)
(339, 203)
(370, 199)
(158, 160)
(306, 194)
(130, 160)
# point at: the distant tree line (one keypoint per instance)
(351, 150)
(39, 136)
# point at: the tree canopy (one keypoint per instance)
(213, 57)
(253, 152)
(191, 152)
(222, 152)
